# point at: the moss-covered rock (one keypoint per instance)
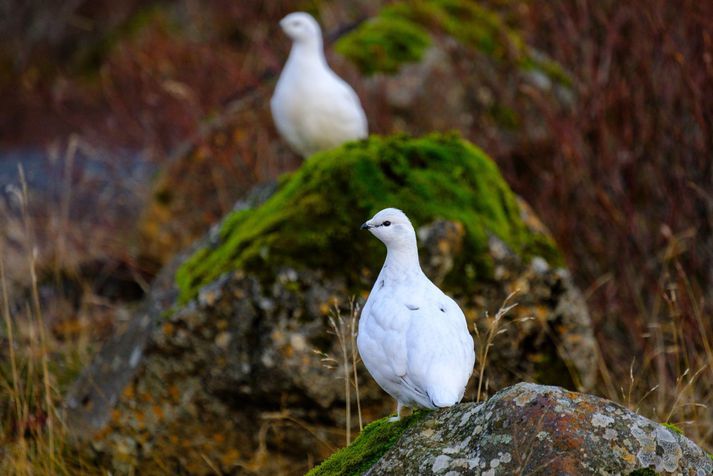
(399, 35)
(311, 220)
(371, 444)
(384, 43)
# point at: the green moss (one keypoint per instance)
(373, 442)
(384, 43)
(472, 24)
(312, 220)
(397, 36)
(673, 428)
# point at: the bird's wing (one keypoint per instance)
(345, 107)
(441, 354)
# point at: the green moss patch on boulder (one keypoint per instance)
(384, 43)
(397, 36)
(371, 444)
(312, 221)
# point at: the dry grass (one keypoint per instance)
(485, 342)
(344, 329)
(33, 436)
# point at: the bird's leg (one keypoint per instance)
(398, 412)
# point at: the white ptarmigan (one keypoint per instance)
(412, 338)
(313, 108)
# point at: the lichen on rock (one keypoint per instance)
(311, 220)
(533, 429)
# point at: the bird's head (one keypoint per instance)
(301, 27)
(392, 227)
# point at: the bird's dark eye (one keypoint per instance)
(386, 223)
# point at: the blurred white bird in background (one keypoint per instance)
(313, 108)
(412, 338)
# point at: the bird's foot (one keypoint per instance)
(399, 406)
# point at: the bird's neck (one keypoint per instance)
(401, 262)
(307, 53)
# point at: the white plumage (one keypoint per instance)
(412, 338)
(313, 108)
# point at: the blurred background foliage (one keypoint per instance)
(139, 124)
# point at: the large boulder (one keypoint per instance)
(225, 362)
(523, 429)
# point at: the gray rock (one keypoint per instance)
(536, 429)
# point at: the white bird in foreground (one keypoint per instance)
(313, 108)
(413, 339)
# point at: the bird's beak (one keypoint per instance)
(365, 226)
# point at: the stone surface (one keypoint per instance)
(536, 429)
(246, 373)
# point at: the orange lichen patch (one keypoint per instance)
(115, 415)
(128, 392)
(158, 411)
(167, 328)
(239, 134)
(541, 313)
(584, 408)
(231, 457)
(202, 153)
(104, 432)
(571, 338)
(568, 465)
(174, 392)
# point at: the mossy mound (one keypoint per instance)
(312, 221)
(397, 35)
(384, 43)
(371, 444)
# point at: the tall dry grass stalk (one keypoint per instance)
(345, 331)
(485, 342)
